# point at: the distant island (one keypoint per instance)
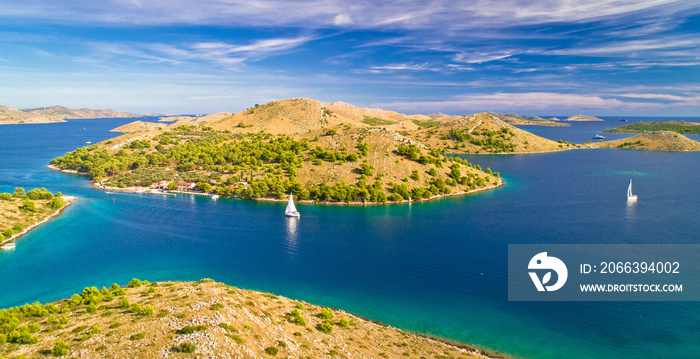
(582, 118)
(204, 319)
(515, 119)
(9, 115)
(675, 126)
(20, 211)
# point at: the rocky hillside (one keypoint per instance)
(652, 141)
(9, 115)
(203, 320)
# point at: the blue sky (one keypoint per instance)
(599, 57)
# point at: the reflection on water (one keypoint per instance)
(629, 211)
(292, 237)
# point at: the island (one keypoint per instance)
(516, 119)
(582, 118)
(204, 319)
(9, 115)
(322, 153)
(647, 126)
(652, 141)
(21, 211)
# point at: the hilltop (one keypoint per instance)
(653, 141)
(203, 320)
(9, 115)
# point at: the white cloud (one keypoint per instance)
(500, 101)
(340, 20)
(321, 13)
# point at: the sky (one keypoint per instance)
(543, 57)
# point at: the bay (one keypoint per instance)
(437, 267)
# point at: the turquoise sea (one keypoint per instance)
(437, 267)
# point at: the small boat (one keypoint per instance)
(88, 142)
(8, 247)
(291, 210)
(598, 137)
(108, 192)
(216, 196)
(623, 120)
(630, 196)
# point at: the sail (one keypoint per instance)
(290, 205)
(629, 190)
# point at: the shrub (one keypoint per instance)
(148, 310)
(117, 290)
(271, 351)
(91, 308)
(325, 327)
(95, 329)
(216, 306)
(124, 303)
(136, 308)
(187, 347)
(60, 348)
(344, 322)
(135, 283)
(188, 329)
(137, 336)
(17, 227)
(63, 320)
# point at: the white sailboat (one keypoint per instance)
(291, 210)
(630, 196)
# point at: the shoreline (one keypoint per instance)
(69, 200)
(480, 353)
(210, 291)
(148, 190)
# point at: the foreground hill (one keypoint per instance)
(296, 145)
(203, 320)
(675, 126)
(9, 115)
(653, 141)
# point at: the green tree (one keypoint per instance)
(19, 192)
(172, 186)
(29, 205)
(56, 203)
(60, 348)
(204, 187)
(415, 175)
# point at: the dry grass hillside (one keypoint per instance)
(483, 133)
(289, 117)
(208, 320)
(652, 141)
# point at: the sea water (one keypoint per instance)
(437, 267)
